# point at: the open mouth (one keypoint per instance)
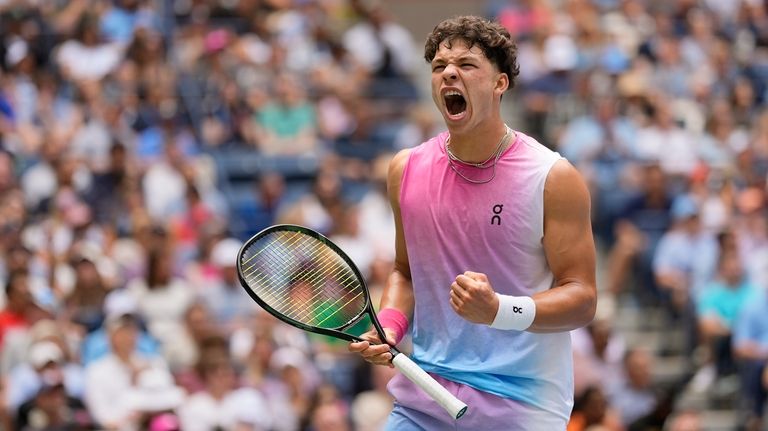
(454, 102)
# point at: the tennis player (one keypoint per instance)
(495, 260)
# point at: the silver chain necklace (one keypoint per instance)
(495, 156)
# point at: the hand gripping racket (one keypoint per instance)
(305, 280)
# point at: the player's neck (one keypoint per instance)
(477, 144)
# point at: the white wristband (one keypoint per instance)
(515, 312)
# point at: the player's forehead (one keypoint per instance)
(457, 48)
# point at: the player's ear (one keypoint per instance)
(502, 83)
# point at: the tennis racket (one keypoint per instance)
(305, 280)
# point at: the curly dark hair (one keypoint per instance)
(494, 40)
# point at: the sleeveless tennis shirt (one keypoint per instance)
(452, 226)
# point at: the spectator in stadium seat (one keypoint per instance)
(52, 407)
(637, 229)
(97, 343)
(330, 417)
(369, 409)
(756, 156)
(385, 48)
(592, 411)
(598, 352)
(315, 208)
(723, 140)
(260, 209)
(162, 297)
(87, 56)
(685, 257)
(46, 362)
(288, 125)
(154, 400)
(259, 375)
(85, 304)
(108, 380)
(719, 305)
(121, 19)
(220, 404)
(751, 230)
(633, 396)
(750, 347)
(225, 298)
(15, 314)
(666, 142)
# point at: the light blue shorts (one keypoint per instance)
(416, 411)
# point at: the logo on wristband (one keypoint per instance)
(518, 310)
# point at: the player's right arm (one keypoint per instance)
(398, 291)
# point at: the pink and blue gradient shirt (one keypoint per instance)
(452, 226)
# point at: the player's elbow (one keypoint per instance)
(587, 308)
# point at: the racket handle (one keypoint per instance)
(455, 407)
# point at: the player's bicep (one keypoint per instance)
(568, 240)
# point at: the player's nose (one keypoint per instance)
(450, 73)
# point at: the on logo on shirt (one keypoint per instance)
(496, 218)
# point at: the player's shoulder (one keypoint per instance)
(563, 171)
(564, 176)
(397, 164)
(400, 158)
(565, 188)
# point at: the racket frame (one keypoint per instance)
(455, 407)
(332, 332)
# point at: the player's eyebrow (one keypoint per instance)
(437, 60)
(460, 59)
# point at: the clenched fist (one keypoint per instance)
(473, 298)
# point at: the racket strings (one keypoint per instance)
(345, 277)
(348, 279)
(294, 305)
(324, 291)
(289, 272)
(333, 266)
(274, 238)
(284, 259)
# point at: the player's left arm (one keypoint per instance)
(570, 251)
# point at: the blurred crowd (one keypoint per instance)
(662, 106)
(142, 141)
(121, 308)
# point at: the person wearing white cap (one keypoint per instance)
(109, 380)
(44, 358)
(52, 408)
(226, 299)
(96, 344)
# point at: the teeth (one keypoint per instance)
(452, 93)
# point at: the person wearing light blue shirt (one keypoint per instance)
(750, 346)
(686, 256)
(719, 305)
